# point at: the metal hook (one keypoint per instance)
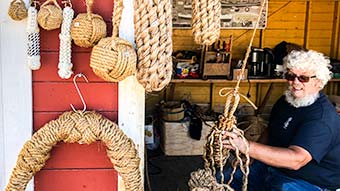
(79, 93)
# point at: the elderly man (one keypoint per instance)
(301, 149)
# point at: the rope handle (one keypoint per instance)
(67, 3)
(17, 1)
(51, 1)
(89, 4)
(116, 16)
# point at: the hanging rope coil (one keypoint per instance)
(83, 128)
(206, 15)
(88, 28)
(153, 36)
(33, 42)
(50, 15)
(65, 65)
(113, 59)
(17, 10)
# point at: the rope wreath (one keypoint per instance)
(215, 154)
(83, 128)
(88, 28)
(17, 10)
(50, 15)
(113, 59)
(206, 15)
(153, 36)
(33, 43)
(65, 65)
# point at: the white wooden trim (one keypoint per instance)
(16, 93)
(131, 96)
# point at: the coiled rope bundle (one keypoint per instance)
(88, 28)
(153, 36)
(206, 21)
(50, 15)
(83, 128)
(113, 59)
(33, 42)
(17, 10)
(65, 65)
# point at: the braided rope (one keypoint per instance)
(65, 65)
(33, 43)
(50, 16)
(206, 21)
(83, 128)
(17, 10)
(215, 154)
(153, 36)
(113, 59)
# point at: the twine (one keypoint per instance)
(50, 16)
(88, 28)
(33, 42)
(206, 18)
(17, 10)
(65, 65)
(113, 59)
(153, 36)
(82, 128)
(215, 154)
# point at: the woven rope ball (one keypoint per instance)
(17, 10)
(50, 16)
(88, 29)
(113, 59)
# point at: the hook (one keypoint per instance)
(79, 93)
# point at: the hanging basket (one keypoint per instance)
(83, 128)
(50, 15)
(113, 59)
(88, 28)
(17, 10)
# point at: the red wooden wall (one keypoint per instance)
(73, 167)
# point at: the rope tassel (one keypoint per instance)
(33, 50)
(65, 65)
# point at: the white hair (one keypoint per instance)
(309, 60)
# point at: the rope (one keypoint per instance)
(215, 154)
(50, 16)
(65, 65)
(33, 43)
(153, 36)
(82, 128)
(17, 10)
(206, 21)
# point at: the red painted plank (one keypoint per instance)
(52, 96)
(76, 180)
(49, 68)
(41, 118)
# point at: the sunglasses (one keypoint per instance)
(291, 77)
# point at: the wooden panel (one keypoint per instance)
(196, 93)
(76, 180)
(52, 96)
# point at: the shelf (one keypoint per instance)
(234, 81)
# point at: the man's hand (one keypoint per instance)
(232, 141)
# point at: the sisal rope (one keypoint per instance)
(65, 65)
(17, 10)
(33, 42)
(82, 128)
(153, 36)
(50, 15)
(215, 154)
(113, 58)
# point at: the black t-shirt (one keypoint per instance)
(315, 128)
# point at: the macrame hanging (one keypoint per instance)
(113, 59)
(153, 36)
(206, 19)
(215, 155)
(17, 10)
(88, 28)
(33, 42)
(65, 65)
(50, 15)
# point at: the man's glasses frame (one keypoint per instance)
(290, 76)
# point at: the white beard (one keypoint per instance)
(300, 102)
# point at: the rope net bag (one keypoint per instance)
(33, 37)
(17, 10)
(50, 15)
(83, 128)
(206, 23)
(65, 65)
(88, 28)
(215, 155)
(113, 58)
(153, 36)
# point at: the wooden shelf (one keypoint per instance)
(234, 81)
